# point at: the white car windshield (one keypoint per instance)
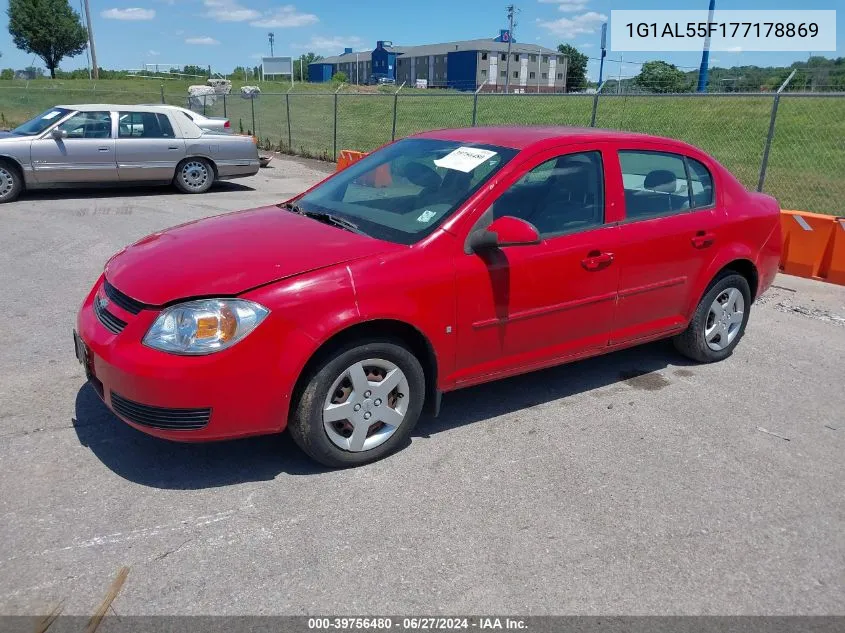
(41, 122)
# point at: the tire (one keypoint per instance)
(11, 182)
(194, 175)
(722, 322)
(333, 441)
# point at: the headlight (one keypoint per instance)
(204, 326)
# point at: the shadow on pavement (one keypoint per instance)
(112, 191)
(163, 464)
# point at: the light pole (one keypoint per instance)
(91, 41)
(539, 48)
(705, 54)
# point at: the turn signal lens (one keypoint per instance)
(204, 326)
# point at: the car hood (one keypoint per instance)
(4, 135)
(230, 254)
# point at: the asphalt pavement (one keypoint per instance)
(635, 483)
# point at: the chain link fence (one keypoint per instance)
(788, 144)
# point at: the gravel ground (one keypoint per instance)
(636, 483)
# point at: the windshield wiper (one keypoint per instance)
(326, 218)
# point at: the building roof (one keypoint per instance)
(484, 44)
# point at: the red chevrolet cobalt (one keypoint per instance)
(444, 260)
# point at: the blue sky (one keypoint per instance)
(227, 33)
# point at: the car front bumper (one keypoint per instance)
(237, 392)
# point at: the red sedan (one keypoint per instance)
(443, 260)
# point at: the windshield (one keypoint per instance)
(41, 122)
(405, 191)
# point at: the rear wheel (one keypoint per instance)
(11, 182)
(195, 175)
(359, 405)
(719, 320)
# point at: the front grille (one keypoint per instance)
(127, 303)
(160, 417)
(109, 321)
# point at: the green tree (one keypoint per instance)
(50, 29)
(7, 73)
(659, 76)
(195, 70)
(340, 77)
(300, 65)
(576, 71)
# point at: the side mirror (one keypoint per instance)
(58, 134)
(504, 231)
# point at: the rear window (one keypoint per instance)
(661, 183)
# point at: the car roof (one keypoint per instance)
(93, 107)
(521, 137)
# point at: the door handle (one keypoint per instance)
(102, 149)
(596, 260)
(173, 147)
(703, 239)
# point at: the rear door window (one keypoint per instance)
(144, 125)
(655, 184)
(701, 184)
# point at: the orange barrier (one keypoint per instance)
(836, 261)
(347, 157)
(813, 246)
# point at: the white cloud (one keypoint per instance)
(331, 44)
(568, 6)
(205, 40)
(734, 49)
(132, 13)
(153, 53)
(577, 25)
(285, 17)
(228, 11)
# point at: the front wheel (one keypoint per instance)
(11, 183)
(360, 405)
(195, 175)
(719, 320)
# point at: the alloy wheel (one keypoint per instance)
(365, 405)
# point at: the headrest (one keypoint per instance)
(661, 180)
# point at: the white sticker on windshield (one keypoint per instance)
(426, 215)
(52, 115)
(464, 159)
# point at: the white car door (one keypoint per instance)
(86, 154)
(148, 149)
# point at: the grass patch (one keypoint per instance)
(807, 157)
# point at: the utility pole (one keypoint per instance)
(272, 37)
(705, 53)
(510, 39)
(91, 42)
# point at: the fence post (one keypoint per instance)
(765, 162)
(395, 107)
(252, 103)
(161, 87)
(596, 104)
(334, 133)
(475, 102)
(225, 114)
(287, 106)
(204, 99)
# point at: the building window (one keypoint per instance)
(504, 57)
(545, 75)
(532, 58)
(560, 75)
(484, 72)
(516, 74)
(503, 75)
(532, 75)
(516, 57)
(483, 56)
(545, 59)
(560, 59)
